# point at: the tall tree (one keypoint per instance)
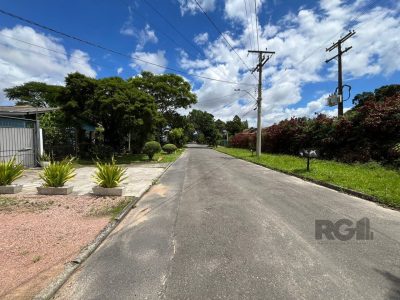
(204, 124)
(114, 104)
(170, 92)
(236, 125)
(36, 94)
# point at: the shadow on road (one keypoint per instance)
(394, 292)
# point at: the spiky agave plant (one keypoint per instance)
(58, 173)
(10, 171)
(109, 175)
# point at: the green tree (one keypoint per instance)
(236, 125)
(177, 137)
(379, 95)
(112, 103)
(204, 125)
(170, 91)
(36, 94)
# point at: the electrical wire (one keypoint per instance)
(223, 36)
(115, 51)
(255, 13)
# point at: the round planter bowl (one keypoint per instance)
(47, 190)
(10, 189)
(44, 164)
(100, 191)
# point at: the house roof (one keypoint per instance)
(20, 110)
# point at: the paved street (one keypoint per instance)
(215, 227)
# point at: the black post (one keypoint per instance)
(308, 163)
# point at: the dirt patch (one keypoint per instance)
(39, 234)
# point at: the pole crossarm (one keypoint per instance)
(338, 45)
(346, 37)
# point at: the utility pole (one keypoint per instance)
(338, 45)
(262, 59)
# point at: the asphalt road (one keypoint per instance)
(215, 227)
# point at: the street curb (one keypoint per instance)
(325, 184)
(49, 291)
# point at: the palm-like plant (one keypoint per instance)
(10, 171)
(58, 173)
(109, 175)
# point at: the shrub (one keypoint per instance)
(101, 151)
(151, 148)
(10, 171)
(169, 148)
(109, 175)
(58, 173)
(177, 136)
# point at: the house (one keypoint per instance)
(20, 133)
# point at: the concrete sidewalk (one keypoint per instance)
(140, 177)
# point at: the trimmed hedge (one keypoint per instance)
(151, 148)
(169, 148)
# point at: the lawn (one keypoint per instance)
(161, 157)
(370, 178)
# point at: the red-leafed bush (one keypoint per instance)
(243, 140)
(370, 131)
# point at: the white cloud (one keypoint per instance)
(21, 62)
(201, 38)
(120, 70)
(299, 40)
(143, 36)
(190, 6)
(140, 59)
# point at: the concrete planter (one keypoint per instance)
(100, 191)
(10, 189)
(46, 190)
(44, 164)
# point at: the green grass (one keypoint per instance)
(370, 178)
(161, 157)
(112, 211)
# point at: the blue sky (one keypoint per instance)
(296, 80)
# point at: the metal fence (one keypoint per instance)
(19, 139)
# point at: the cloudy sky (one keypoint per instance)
(176, 35)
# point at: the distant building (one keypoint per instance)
(13, 116)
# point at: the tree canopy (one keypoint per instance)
(170, 91)
(113, 103)
(236, 125)
(36, 94)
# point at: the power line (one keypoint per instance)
(174, 28)
(137, 13)
(114, 51)
(255, 13)
(44, 54)
(252, 27)
(48, 49)
(188, 41)
(223, 36)
(364, 11)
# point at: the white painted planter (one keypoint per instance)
(10, 189)
(44, 164)
(46, 190)
(100, 191)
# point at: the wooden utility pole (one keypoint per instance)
(262, 59)
(338, 45)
